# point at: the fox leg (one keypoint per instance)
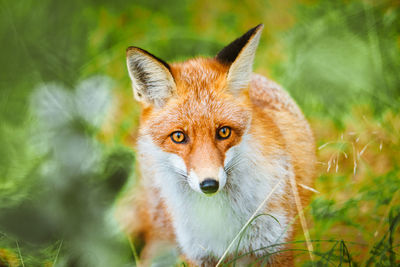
(281, 259)
(206, 262)
(158, 251)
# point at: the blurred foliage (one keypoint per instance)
(68, 121)
(76, 181)
(344, 52)
(359, 198)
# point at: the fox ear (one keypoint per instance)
(151, 77)
(240, 56)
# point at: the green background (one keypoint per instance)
(68, 119)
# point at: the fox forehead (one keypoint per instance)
(199, 76)
(193, 115)
(201, 102)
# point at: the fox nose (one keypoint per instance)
(209, 186)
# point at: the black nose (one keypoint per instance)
(209, 186)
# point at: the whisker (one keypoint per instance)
(180, 173)
(236, 160)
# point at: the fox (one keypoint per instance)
(214, 140)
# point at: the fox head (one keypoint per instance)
(196, 111)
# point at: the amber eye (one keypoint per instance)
(224, 132)
(178, 137)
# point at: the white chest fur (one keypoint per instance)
(205, 226)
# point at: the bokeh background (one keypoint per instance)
(68, 119)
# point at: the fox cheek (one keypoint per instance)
(222, 177)
(178, 164)
(193, 181)
(231, 156)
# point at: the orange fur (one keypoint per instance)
(201, 104)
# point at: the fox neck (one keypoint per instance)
(206, 225)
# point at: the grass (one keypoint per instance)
(339, 59)
(359, 186)
(245, 226)
(354, 219)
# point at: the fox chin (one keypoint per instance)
(215, 139)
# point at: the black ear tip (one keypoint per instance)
(229, 53)
(257, 28)
(134, 49)
(131, 49)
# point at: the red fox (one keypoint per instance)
(214, 140)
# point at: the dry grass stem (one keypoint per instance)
(248, 222)
(309, 188)
(302, 217)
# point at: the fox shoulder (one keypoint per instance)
(266, 93)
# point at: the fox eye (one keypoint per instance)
(178, 137)
(224, 132)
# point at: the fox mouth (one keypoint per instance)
(207, 181)
(208, 187)
(211, 184)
